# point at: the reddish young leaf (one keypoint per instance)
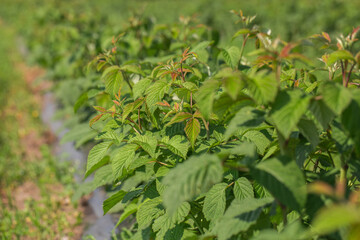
(286, 50)
(354, 32)
(95, 119)
(116, 102)
(117, 96)
(164, 104)
(326, 36)
(100, 109)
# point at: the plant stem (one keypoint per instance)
(284, 212)
(191, 102)
(332, 160)
(349, 75)
(139, 119)
(126, 77)
(343, 171)
(316, 165)
(134, 124)
(278, 71)
(197, 224)
(182, 72)
(343, 73)
(243, 47)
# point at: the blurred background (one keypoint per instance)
(45, 47)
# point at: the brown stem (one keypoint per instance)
(349, 75)
(159, 163)
(230, 184)
(132, 121)
(134, 128)
(316, 165)
(191, 102)
(343, 73)
(284, 212)
(126, 77)
(139, 119)
(330, 75)
(182, 72)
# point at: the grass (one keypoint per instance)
(35, 189)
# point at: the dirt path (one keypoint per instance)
(35, 189)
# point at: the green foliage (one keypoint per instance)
(223, 150)
(197, 140)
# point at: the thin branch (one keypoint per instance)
(343, 73)
(139, 119)
(243, 46)
(197, 223)
(349, 75)
(182, 72)
(191, 102)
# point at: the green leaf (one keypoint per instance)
(96, 157)
(192, 87)
(113, 79)
(192, 130)
(80, 133)
(339, 55)
(205, 96)
(334, 217)
(179, 117)
(225, 107)
(321, 112)
(294, 231)
(231, 56)
(243, 189)
(82, 99)
(110, 134)
(241, 32)
(287, 110)
(200, 51)
(350, 119)
(122, 159)
(177, 145)
(146, 142)
(309, 130)
(202, 45)
(262, 87)
(126, 111)
(129, 209)
(149, 210)
(175, 233)
(113, 200)
(132, 69)
(240, 216)
(167, 221)
(246, 118)
(155, 93)
(140, 87)
(103, 176)
(215, 202)
(335, 96)
(191, 178)
(259, 138)
(232, 81)
(283, 179)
